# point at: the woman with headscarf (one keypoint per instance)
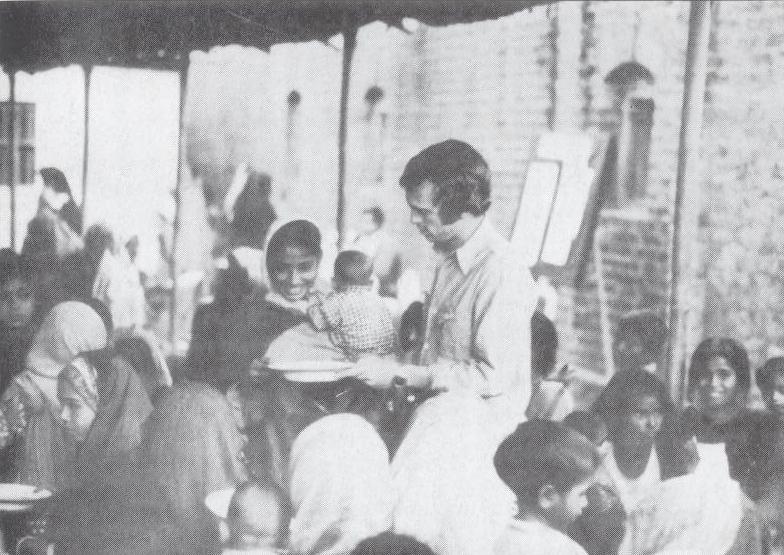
(103, 408)
(341, 486)
(56, 229)
(190, 448)
(30, 410)
(223, 352)
(53, 241)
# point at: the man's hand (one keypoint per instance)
(375, 371)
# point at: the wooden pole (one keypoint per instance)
(12, 152)
(181, 144)
(349, 44)
(88, 70)
(686, 208)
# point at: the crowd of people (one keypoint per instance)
(445, 427)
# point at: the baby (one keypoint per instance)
(258, 520)
(354, 315)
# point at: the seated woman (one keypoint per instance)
(191, 447)
(244, 333)
(341, 486)
(640, 418)
(103, 408)
(30, 409)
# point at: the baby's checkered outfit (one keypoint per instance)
(357, 321)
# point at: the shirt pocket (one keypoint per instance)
(448, 331)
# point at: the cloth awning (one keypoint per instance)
(36, 36)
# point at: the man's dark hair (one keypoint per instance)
(460, 174)
(390, 543)
(377, 214)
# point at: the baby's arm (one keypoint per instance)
(317, 314)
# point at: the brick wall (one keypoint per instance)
(498, 85)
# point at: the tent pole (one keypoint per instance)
(177, 207)
(88, 70)
(12, 152)
(686, 208)
(349, 44)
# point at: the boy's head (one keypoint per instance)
(390, 543)
(352, 268)
(770, 379)
(549, 467)
(17, 290)
(544, 345)
(258, 516)
(639, 340)
(588, 424)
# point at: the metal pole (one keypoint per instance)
(349, 44)
(12, 152)
(686, 208)
(177, 202)
(88, 70)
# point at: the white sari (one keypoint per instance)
(341, 487)
(449, 494)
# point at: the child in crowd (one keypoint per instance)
(645, 444)
(600, 527)
(549, 467)
(390, 543)
(639, 341)
(551, 398)
(354, 315)
(589, 424)
(770, 380)
(17, 308)
(258, 519)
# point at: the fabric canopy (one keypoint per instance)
(35, 36)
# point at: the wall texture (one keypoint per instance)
(499, 85)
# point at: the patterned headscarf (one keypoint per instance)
(80, 378)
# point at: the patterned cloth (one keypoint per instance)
(357, 320)
(79, 378)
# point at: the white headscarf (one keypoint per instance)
(69, 329)
(325, 265)
(341, 486)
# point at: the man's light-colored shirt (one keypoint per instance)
(477, 333)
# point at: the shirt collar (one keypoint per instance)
(468, 254)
